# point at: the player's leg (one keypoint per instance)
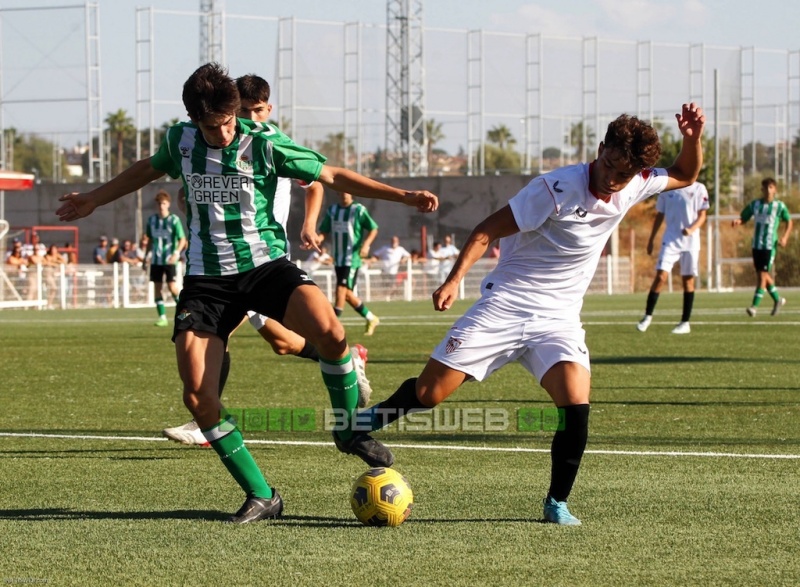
(666, 259)
(353, 300)
(761, 262)
(200, 347)
(157, 277)
(568, 384)
(171, 272)
(282, 340)
(309, 313)
(769, 285)
(689, 269)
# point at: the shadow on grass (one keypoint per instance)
(49, 514)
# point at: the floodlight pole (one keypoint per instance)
(717, 244)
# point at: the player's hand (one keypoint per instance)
(364, 252)
(686, 231)
(424, 201)
(310, 239)
(75, 206)
(445, 296)
(783, 240)
(691, 121)
(736, 222)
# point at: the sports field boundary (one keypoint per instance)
(509, 449)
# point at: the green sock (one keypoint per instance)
(340, 379)
(364, 311)
(226, 439)
(162, 311)
(773, 292)
(757, 297)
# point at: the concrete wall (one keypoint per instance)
(464, 201)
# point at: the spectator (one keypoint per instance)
(392, 257)
(317, 260)
(111, 253)
(447, 257)
(34, 260)
(34, 246)
(52, 260)
(100, 251)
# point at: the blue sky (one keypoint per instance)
(768, 24)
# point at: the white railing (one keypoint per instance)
(121, 286)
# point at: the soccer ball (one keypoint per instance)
(381, 497)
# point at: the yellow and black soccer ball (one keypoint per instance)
(381, 497)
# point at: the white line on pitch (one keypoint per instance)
(638, 453)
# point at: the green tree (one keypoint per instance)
(333, 148)
(433, 131)
(576, 137)
(502, 161)
(34, 154)
(121, 130)
(501, 136)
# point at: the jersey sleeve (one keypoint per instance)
(532, 205)
(655, 182)
(747, 213)
(702, 196)
(661, 203)
(784, 214)
(293, 160)
(367, 223)
(163, 159)
(179, 232)
(325, 226)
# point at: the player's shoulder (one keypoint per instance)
(265, 130)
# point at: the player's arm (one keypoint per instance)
(79, 205)
(497, 225)
(685, 169)
(344, 180)
(368, 240)
(657, 221)
(315, 194)
(785, 236)
(699, 221)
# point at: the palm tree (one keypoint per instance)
(433, 131)
(120, 128)
(576, 137)
(501, 136)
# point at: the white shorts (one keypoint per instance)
(490, 334)
(671, 254)
(258, 321)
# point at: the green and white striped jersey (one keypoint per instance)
(767, 218)
(230, 193)
(164, 235)
(348, 226)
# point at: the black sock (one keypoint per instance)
(688, 302)
(400, 403)
(309, 352)
(338, 311)
(652, 300)
(567, 450)
(223, 373)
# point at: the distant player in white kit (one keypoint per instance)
(685, 212)
(553, 233)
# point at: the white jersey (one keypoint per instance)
(680, 209)
(547, 266)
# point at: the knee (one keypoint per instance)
(331, 341)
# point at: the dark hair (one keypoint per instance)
(635, 140)
(210, 91)
(254, 88)
(768, 181)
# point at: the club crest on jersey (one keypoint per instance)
(184, 151)
(581, 212)
(452, 345)
(244, 163)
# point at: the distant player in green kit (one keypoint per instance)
(166, 240)
(352, 231)
(767, 213)
(236, 262)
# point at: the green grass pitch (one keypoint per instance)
(691, 477)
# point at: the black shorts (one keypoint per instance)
(158, 272)
(217, 304)
(346, 276)
(763, 259)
